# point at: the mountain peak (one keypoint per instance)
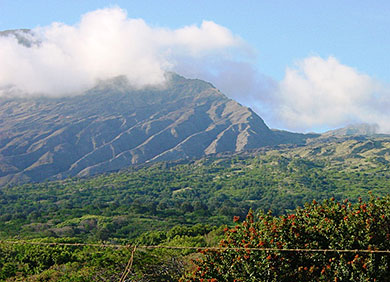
(359, 129)
(23, 36)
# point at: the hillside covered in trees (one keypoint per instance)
(210, 190)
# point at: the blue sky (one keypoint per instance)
(281, 33)
(357, 32)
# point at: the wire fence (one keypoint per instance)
(129, 264)
(118, 246)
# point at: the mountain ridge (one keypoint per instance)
(113, 125)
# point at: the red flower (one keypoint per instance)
(236, 218)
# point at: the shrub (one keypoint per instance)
(330, 225)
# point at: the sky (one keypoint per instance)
(301, 65)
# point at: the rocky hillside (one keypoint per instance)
(113, 126)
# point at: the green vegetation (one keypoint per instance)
(160, 196)
(29, 262)
(330, 225)
(183, 204)
(364, 225)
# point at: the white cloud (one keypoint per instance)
(104, 44)
(323, 93)
(238, 79)
(315, 94)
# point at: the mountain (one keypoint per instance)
(361, 129)
(113, 126)
(23, 36)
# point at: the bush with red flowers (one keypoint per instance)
(330, 225)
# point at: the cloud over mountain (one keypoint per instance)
(60, 59)
(325, 93)
(315, 94)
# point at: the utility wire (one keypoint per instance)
(195, 248)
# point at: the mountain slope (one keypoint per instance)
(363, 129)
(113, 126)
(211, 189)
